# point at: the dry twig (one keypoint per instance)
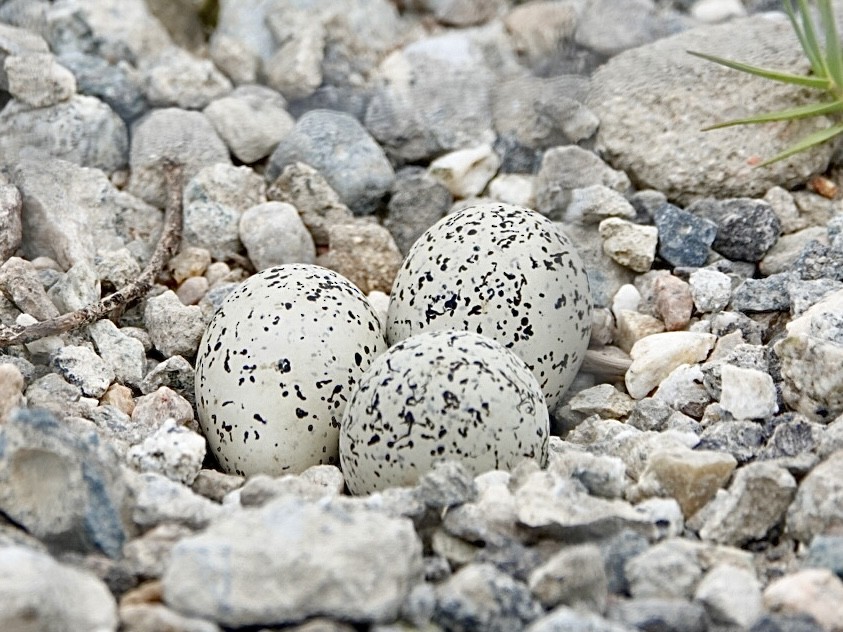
(164, 251)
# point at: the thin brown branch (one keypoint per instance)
(167, 245)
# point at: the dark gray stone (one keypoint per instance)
(110, 83)
(769, 294)
(175, 373)
(723, 323)
(746, 228)
(64, 487)
(418, 201)
(742, 439)
(480, 597)
(348, 99)
(790, 435)
(515, 157)
(684, 238)
(660, 615)
(786, 623)
(340, 148)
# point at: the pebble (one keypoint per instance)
(418, 201)
(90, 134)
(274, 234)
(76, 479)
(340, 148)
(564, 169)
(295, 69)
(573, 577)
(365, 254)
(816, 592)
(237, 188)
(481, 596)
(816, 509)
(213, 227)
(252, 120)
(692, 477)
(629, 244)
(152, 616)
(746, 228)
(160, 501)
(711, 290)
(747, 393)
(784, 253)
(172, 450)
(19, 280)
(11, 390)
(175, 373)
(84, 368)
(175, 328)
(684, 391)
(755, 502)
(466, 172)
(152, 409)
(114, 83)
(512, 188)
(314, 570)
(117, 268)
(78, 288)
(176, 78)
(38, 79)
(431, 97)
(656, 355)
(40, 593)
(609, 28)
(684, 238)
(730, 595)
(673, 302)
(769, 294)
(182, 136)
(668, 570)
(673, 614)
(10, 220)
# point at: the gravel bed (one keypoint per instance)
(688, 478)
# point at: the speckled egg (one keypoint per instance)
(436, 396)
(505, 272)
(277, 365)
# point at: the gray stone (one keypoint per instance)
(115, 84)
(77, 288)
(185, 137)
(319, 561)
(565, 619)
(684, 391)
(38, 593)
(742, 439)
(175, 77)
(117, 268)
(662, 615)
(609, 28)
(152, 617)
(19, 281)
(11, 389)
(175, 328)
(604, 400)
(668, 570)
(82, 130)
(564, 169)
(251, 120)
(754, 503)
(782, 255)
(38, 79)
(769, 294)
(818, 505)
(71, 213)
(153, 409)
(418, 201)
(230, 55)
(214, 227)
(174, 372)
(818, 261)
(448, 484)
(799, 622)
(84, 368)
(215, 485)
(746, 228)
(731, 595)
(553, 507)
(172, 450)
(52, 393)
(826, 551)
(146, 555)
(317, 203)
(684, 239)
(10, 220)
(65, 488)
(805, 294)
(710, 289)
(158, 500)
(431, 97)
(365, 254)
(260, 489)
(811, 356)
(573, 577)
(274, 234)
(617, 551)
(652, 113)
(479, 596)
(547, 111)
(341, 149)
(238, 188)
(295, 68)
(792, 436)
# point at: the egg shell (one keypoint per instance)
(277, 365)
(508, 273)
(437, 396)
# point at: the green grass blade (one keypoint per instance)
(807, 35)
(800, 112)
(817, 138)
(818, 83)
(833, 53)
